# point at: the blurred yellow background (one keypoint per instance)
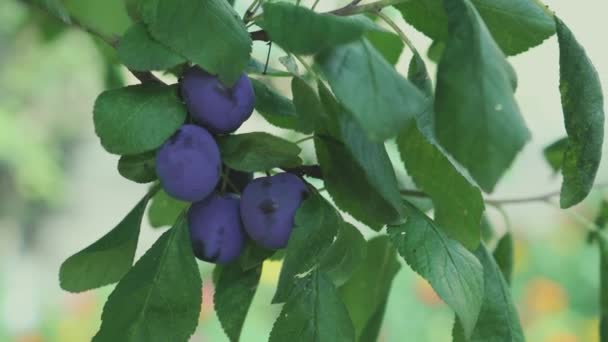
(60, 191)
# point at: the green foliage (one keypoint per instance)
(163, 289)
(583, 104)
(453, 271)
(208, 33)
(516, 25)
(313, 312)
(345, 255)
(137, 118)
(554, 153)
(458, 204)
(164, 209)
(108, 259)
(503, 254)
(483, 133)
(603, 242)
(316, 225)
(157, 56)
(139, 168)
(388, 44)
(383, 102)
(308, 106)
(498, 320)
(454, 141)
(258, 152)
(366, 292)
(311, 32)
(235, 290)
(274, 107)
(55, 8)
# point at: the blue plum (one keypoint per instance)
(268, 208)
(216, 230)
(188, 165)
(221, 109)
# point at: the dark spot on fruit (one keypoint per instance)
(221, 231)
(266, 182)
(268, 206)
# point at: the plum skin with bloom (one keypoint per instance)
(188, 164)
(268, 208)
(216, 231)
(219, 108)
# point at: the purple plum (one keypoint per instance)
(221, 109)
(216, 230)
(188, 165)
(268, 208)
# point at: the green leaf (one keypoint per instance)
(583, 105)
(372, 330)
(367, 290)
(603, 244)
(345, 255)
(314, 312)
(380, 99)
(355, 168)
(55, 8)
(554, 153)
(274, 107)
(139, 51)
(458, 204)
(516, 25)
(109, 17)
(373, 159)
(160, 298)
(108, 259)
(259, 151)
(308, 106)
(503, 254)
(234, 293)
(209, 33)
(137, 119)
(476, 116)
(316, 225)
(453, 272)
(139, 168)
(255, 67)
(419, 76)
(310, 32)
(601, 220)
(388, 44)
(498, 320)
(348, 186)
(164, 209)
(254, 256)
(435, 51)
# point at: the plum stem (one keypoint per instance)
(297, 142)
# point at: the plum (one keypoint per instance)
(188, 165)
(221, 109)
(268, 208)
(216, 230)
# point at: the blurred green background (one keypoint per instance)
(59, 191)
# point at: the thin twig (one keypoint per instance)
(398, 30)
(310, 137)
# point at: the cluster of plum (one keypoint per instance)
(189, 168)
